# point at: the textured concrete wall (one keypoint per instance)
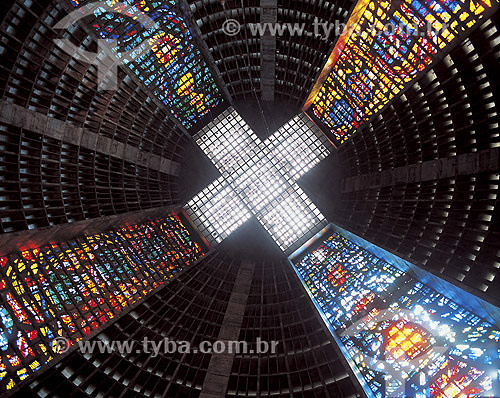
(268, 50)
(467, 164)
(36, 122)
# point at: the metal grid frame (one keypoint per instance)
(263, 175)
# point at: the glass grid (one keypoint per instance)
(259, 184)
(217, 211)
(262, 175)
(291, 217)
(230, 144)
(298, 146)
(375, 64)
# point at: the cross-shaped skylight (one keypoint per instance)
(259, 178)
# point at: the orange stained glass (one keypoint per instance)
(338, 275)
(405, 340)
(384, 47)
(455, 381)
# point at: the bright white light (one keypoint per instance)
(291, 217)
(298, 146)
(477, 351)
(229, 143)
(263, 176)
(259, 184)
(444, 330)
(217, 211)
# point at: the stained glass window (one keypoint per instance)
(385, 47)
(71, 289)
(165, 57)
(401, 337)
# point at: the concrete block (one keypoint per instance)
(228, 332)
(221, 365)
(26, 119)
(430, 170)
(239, 298)
(269, 3)
(130, 153)
(72, 134)
(414, 173)
(116, 149)
(216, 384)
(7, 112)
(448, 167)
(89, 140)
(400, 175)
(103, 145)
(154, 162)
(143, 158)
(55, 129)
(209, 395)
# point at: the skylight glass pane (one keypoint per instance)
(259, 184)
(292, 219)
(229, 143)
(298, 146)
(262, 175)
(217, 211)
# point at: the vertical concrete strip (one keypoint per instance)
(219, 368)
(39, 123)
(269, 15)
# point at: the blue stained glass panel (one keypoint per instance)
(401, 337)
(165, 56)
